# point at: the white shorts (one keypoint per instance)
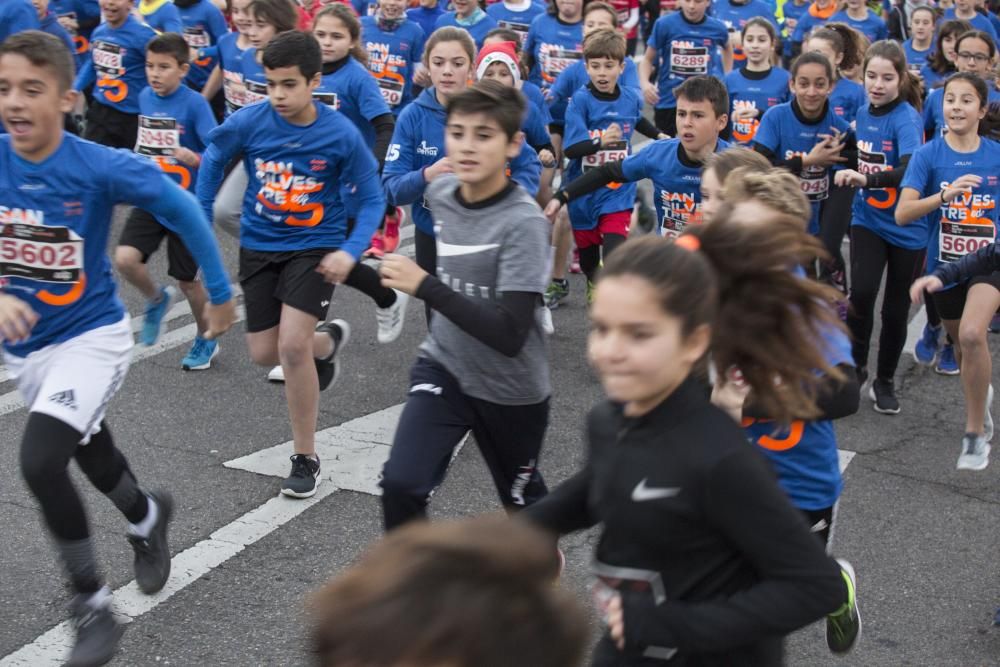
(73, 381)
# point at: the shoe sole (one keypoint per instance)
(104, 658)
(941, 371)
(881, 411)
(205, 366)
(274, 378)
(924, 363)
(289, 493)
(846, 566)
(976, 468)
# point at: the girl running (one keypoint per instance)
(954, 179)
(920, 46)
(554, 42)
(888, 133)
(757, 86)
(731, 566)
(941, 64)
(975, 53)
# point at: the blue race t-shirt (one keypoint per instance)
(117, 65)
(968, 222)
(351, 90)
(83, 12)
(293, 199)
(50, 25)
(915, 60)
(393, 56)
(754, 90)
(735, 16)
(17, 16)
(554, 46)
(55, 217)
(230, 57)
(478, 30)
(934, 123)
(786, 134)
(978, 22)
(254, 78)
(676, 182)
(871, 26)
(686, 49)
(425, 17)
(161, 16)
(182, 119)
(884, 137)
(589, 114)
(518, 21)
(203, 25)
(846, 98)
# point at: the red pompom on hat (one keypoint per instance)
(502, 52)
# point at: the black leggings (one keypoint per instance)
(427, 255)
(870, 255)
(590, 257)
(834, 219)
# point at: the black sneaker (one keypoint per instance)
(97, 634)
(883, 392)
(152, 554)
(304, 478)
(329, 369)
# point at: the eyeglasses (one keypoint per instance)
(978, 57)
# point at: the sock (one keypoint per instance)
(145, 527)
(129, 500)
(78, 558)
(99, 600)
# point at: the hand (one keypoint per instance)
(17, 319)
(650, 93)
(927, 283)
(961, 185)
(422, 77)
(612, 134)
(850, 179)
(791, 23)
(547, 159)
(402, 273)
(187, 156)
(218, 318)
(614, 617)
(336, 266)
(552, 210)
(730, 396)
(826, 152)
(69, 23)
(745, 113)
(442, 166)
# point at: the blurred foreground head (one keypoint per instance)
(470, 593)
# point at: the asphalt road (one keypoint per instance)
(924, 538)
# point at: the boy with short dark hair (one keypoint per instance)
(174, 124)
(294, 238)
(483, 366)
(66, 336)
(116, 67)
(600, 121)
(674, 165)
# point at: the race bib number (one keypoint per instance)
(109, 60)
(197, 38)
(234, 91)
(521, 29)
(610, 153)
(329, 99)
(815, 184)
(157, 137)
(46, 254)
(688, 61)
(255, 92)
(555, 60)
(957, 240)
(873, 162)
(392, 91)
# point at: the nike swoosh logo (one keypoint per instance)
(641, 492)
(451, 250)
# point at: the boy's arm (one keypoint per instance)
(223, 146)
(363, 168)
(983, 262)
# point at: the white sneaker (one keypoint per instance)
(975, 453)
(988, 419)
(545, 321)
(390, 320)
(276, 374)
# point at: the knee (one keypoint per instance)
(46, 448)
(127, 258)
(971, 338)
(295, 351)
(189, 287)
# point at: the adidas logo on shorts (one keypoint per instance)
(65, 398)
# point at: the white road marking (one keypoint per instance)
(845, 457)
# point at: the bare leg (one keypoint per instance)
(977, 365)
(128, 261)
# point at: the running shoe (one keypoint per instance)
(329, 369)
(947, 363)
(883, 392)
(646, 218)
(988, 418)
(556, 292)
(994, 324)
(574, 266)
(545, 321)
(390, 320)
(843, 628)
(152, 321)
(152, 553)
(975, 453)
(928, 346)
(199, 358)
(377, 249)
(276, 374)
(304, 479)
(390, 235)
(590, 292)
(97, 632)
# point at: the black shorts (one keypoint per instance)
(111, 127)
(951, 302)
(144, 233)
(270, 279)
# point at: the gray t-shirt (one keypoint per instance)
(482, 253)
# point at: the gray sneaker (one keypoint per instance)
(304, 478)
(975, 453)
(988, 419)
(97, 634)
(152, 554)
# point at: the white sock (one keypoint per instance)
(145, 527)
(100, 600)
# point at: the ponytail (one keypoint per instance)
(740, 279)
(845, 40)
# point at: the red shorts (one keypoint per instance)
(609, 223)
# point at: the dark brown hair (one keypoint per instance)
(170, 44)
(494, 100)
(346, 15)
(604, 43)
(951, 28)
(844, 39)
(981, 36)
(910, 88)
(467, 593)
(989, 125)
(43, 50)
(814, 58)
(761, 22)
(765, 320)
(703, 88)
(279, 13)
